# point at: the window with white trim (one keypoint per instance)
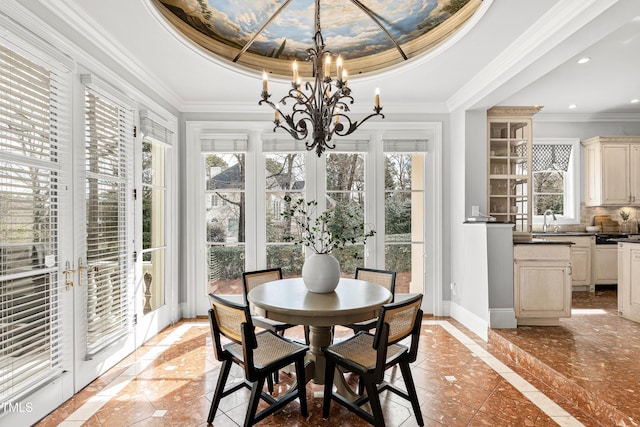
(154, 195)
(404, 246)
(224, 175)
(555, 180)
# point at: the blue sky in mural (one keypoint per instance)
(347, 29)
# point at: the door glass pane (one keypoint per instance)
(225, 221)
(285, 174)
(153, 223)
(30, 173)
(108, 162)
(404, 219)
(345, 197)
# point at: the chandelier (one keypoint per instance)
(317, 108)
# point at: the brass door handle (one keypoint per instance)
(68, 272)
(81, 269)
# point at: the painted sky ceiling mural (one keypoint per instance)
(351, 28)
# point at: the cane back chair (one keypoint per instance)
(384, 278)
(260, 355)
(369, 356)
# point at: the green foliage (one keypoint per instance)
(228, 261)
(328, 231)
(216, 232)
(289, 258)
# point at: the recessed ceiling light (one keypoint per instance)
(572, 106)
(635, 101)
(584, 60)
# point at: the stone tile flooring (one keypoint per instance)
(579, 373)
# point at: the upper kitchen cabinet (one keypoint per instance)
(612, 171)
(509, 154)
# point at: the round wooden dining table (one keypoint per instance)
(289, 301)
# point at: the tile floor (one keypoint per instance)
(580, 373)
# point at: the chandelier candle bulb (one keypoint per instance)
(319, 109)
(265, 82)
(377, 98)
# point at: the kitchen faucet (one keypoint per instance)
(544, 225)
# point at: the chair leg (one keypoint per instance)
(254, 400)
(411, 391)
(374, 401)
(330, 368)
(217, 395)
(270, 383)
(302, 386)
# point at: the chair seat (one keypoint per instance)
(265, 323)
(359, 350)
(271, 349)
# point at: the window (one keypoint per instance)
(225, 221)
(555, 181)
(284, 176)
(345, 195)
(154, 195)
(350, 179)
(404, 163)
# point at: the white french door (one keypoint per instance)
(36, 229)
(104, 243)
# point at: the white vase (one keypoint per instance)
(321, 273)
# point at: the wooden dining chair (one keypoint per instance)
(384, 278)
(260, 355)
(253, 279)
(369, 356)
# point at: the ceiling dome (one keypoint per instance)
(268, 34)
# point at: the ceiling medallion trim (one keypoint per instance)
(359, 66)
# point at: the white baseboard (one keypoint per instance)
(502, 318)
(470, 320)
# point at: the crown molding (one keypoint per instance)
(73, 16)
(585, 117)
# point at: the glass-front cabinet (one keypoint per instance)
(509, 174)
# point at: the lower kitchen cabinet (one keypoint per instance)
(542, 283)
(581, 276)
(629, 284)
(605, 265)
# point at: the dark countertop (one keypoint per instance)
(626, 240)
(563, 233)
(536, 241)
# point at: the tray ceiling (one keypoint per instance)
(370, 34)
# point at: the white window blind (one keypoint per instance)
(34, 137)
(109, 163)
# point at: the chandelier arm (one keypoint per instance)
(319, 106)
(353, 125)
(255, 36)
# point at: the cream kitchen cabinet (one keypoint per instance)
(581, 250)
(612, 171)
(605, 265)
(542, 282)
(509, 162)
(629, 285)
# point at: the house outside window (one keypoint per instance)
(225, 222)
